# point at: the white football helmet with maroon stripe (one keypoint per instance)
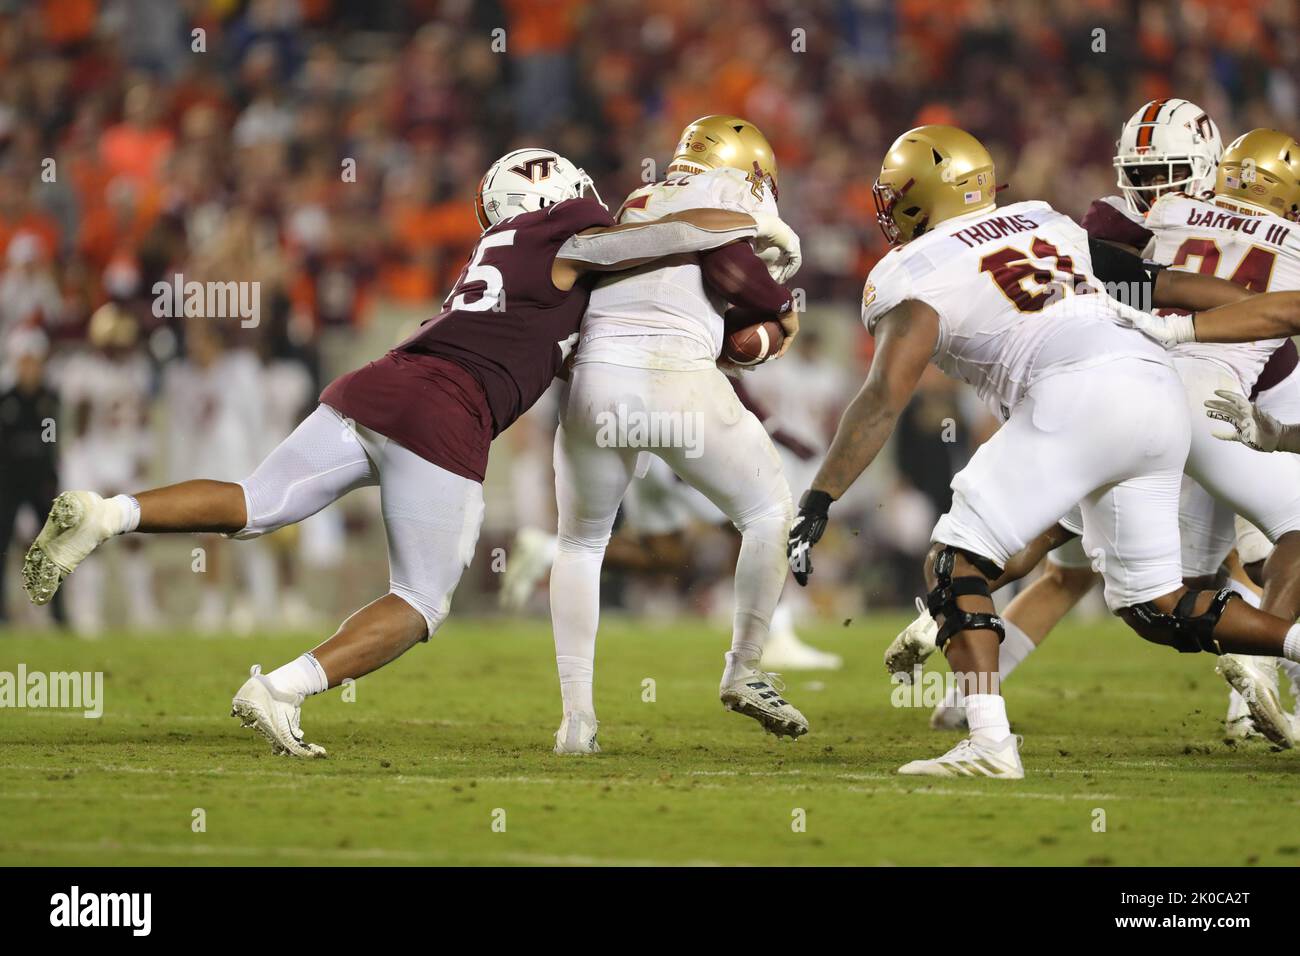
(1168, 144)
(526, 180)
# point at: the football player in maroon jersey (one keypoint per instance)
(417, 422)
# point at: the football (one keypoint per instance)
(753, 344)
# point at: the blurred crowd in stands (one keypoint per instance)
(328, 150)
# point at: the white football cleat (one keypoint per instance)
(910, 649)
(1256, 681)
(275, 715)
(530, 558)
(79, 522)
(784, 651)
(758, 695)
(577, 735)
(976, 756)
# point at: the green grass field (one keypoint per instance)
(435, 745)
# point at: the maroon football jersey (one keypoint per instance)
(504, 330)
(504, 320)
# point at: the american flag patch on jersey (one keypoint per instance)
(973, 196)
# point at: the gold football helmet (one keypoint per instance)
(930, 174)
(112, 327)
(1261, 169)
(713, 142)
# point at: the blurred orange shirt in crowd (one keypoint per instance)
(137, 153)
(104, 233)
(68, 21)
(542, 26)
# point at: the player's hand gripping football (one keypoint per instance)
(808, 528)
(1251, 425)
(778, 246)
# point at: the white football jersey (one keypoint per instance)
(115, 394)
(1016, 297)
(663, 315)
(1258, 251)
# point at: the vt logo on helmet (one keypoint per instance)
(1261, 169)
(930, 174)
(527, 180)
(1168, 144)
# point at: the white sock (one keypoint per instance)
(575, 684)
(987, 715)
(1015, 647)
(302, 675)
(130, 512)
(740, 663)
(761, 570)
(1291, 647)
(575, 616)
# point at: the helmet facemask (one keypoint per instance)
(1177, 173)
(887, 198)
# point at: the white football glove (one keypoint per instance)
(778, 246)
(1167, 330)
(1251, 425)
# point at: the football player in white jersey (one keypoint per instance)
(1203, 236)
(648, 354)
(1006, 300)
(107, 389)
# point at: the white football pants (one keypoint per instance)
(613, 414)
(1112, 438)
(431, 516)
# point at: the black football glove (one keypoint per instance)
(808, 528)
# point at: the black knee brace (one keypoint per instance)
(1180, 630)
(942, 600)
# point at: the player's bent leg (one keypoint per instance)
(432, 519)
(915, 643)
(736, 466)
(1067, 577)
(1072, 439)
(969, 632)
(1191, 621)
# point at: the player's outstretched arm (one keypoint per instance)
(1270, 315)
(1195, 292)
(1162, 288)
(632, 244)
(906, 336)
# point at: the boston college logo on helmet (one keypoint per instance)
(536, 169)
